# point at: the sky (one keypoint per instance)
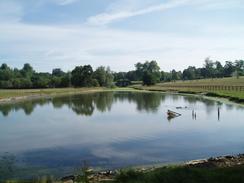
(119, 33)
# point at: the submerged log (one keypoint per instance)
(173, 114)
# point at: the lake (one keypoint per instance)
(109, 130)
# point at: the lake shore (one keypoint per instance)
(12, 96)
(235, 97)
(143, 173)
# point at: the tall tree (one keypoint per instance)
(27, 71)
(239, 66)
(209, 66)
(82, 76)
(150, 72)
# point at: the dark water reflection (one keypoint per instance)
(114, 129)
(86, 104)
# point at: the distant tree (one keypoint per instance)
(66, 80)
(229, 69)
(140, 69)
(239, 67)
(150, 72)
(168, 76)
(109, 77)
(27, 71)
(162, 77)
(58, 72)
(21, 83)
(134, 76)
(189, 73)
(4, 67)
(209, 68)
(175, 75)
(56, 82)
(149, 78)
(219, 70)
(6, 73)
(100, 75)
(41, 80)
(82, 76)
(119, 76)
(77, 76)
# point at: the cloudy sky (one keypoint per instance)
(118, 33)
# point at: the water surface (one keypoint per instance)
(113, 130)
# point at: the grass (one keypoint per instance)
(211, 87)
(4, 94)
(230, 81)
(169, 174)
(183, 174)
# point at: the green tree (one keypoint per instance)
(149, 78)
(229, 69)
(104, 76)
(82, 76)
(176, 75)
(58, 72)
(100, 75)
(219, 69)
(239, 67)
(209, 66)
(27, 71)
(150, 72)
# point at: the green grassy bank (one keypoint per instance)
(182, 174)
(18, 94)
(230, 88)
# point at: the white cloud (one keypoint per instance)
(109, 17)
(126, 9)
(47, 47)
(65, 2)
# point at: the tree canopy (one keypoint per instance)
(84, 76)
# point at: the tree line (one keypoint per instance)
(27, 77)
(150, 73)
(84, 76)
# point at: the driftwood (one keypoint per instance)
(172, 113)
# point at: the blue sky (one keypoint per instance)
(119, 33)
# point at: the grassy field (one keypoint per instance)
(231, 88)
(184, 175)
(230, 81)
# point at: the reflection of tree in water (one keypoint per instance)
(149, 102)
(209, 104)
(7, 166)
(103, 101)
(175, 97)
(229, 107)
(85, 104)
(191, 99)
(27, 106)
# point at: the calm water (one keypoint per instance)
(114, 129)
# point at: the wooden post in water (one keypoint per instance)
(218, 113)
